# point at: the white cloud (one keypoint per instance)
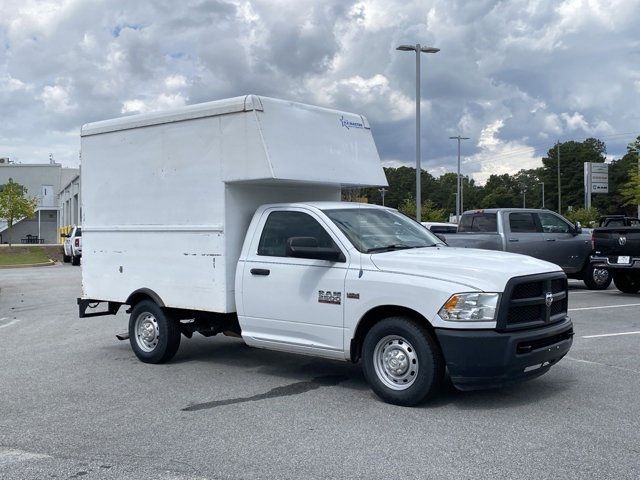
(545, 70)
(56, 99)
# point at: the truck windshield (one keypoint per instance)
(478, 222)
(374, 230)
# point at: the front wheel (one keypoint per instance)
(596, 278)
(627, 282)
(66, 258)
(402, 362)
(154, 336)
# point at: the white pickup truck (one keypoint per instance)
(225, 218)
(72, 246)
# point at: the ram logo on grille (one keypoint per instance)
(548, 299)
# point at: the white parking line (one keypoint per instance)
(11, 455)
(588, 362)
(604, 306)
(611, 334)
(15, 320)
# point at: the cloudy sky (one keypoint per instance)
(512, 75)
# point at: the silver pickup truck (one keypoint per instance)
(539, 233)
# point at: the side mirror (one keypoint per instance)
(577, 228)
(307, 247)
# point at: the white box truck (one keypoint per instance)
(225, 217)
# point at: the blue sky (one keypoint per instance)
(514, 76)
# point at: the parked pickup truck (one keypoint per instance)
(617, 249)
(72, 246)
(619, 221)
(541, 234)
(238, 229)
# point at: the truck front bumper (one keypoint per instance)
(488, 358)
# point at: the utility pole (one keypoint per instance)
(382, 192)
(524, 198)
(418, 49)
(542, 183)
(458, 182)
(559, 185)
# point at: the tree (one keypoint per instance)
(588, 217)
(631, 190)
(14, 204)
(429, 212)
(572, 157)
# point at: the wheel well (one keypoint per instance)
(375, 315)
(144, 294)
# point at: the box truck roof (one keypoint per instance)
(261, 140)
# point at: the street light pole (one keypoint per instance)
(418, 49)
(559, 184)
(542, 183)
(458, 183)
(382, 192)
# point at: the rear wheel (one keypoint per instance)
(66, 258)
(154, 335)
(75, 260)
(402, 362)
(627, 282)
(596, 278)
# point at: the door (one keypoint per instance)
(524, 235)
(564, 248)
(288, 303)
(48, 196)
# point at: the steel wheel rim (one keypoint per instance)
(395, 362)
(600, 275)
(147, 332)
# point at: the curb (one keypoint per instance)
(28, 265)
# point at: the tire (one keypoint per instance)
(75, 260)
(596, 278)
(162, 337)
(627, 282)
(413, 349)
(66, 258)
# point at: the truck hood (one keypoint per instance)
(476, 269)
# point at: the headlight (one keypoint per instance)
(470, 307)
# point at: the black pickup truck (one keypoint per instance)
(617, 249)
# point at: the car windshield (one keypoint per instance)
(374, 230)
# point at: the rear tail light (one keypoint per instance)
(77, 242)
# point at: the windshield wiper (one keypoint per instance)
(388, 248)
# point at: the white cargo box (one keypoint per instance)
(167, 197)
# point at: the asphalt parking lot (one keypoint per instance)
(76, 403)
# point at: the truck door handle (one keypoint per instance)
(260, 271)
(550, 239)
(514, 240)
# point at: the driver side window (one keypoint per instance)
(282, 225)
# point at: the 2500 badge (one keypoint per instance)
(326, 296)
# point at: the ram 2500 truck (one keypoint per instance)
(617, 249)
(225, 217)
(541, 234)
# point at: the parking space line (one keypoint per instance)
(604, 306)
(589, 362)
(15, 320)
(611, 334)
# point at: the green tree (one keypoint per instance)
(572, 157)
(14, 204)
(429, 211)
(588, 217)
(631, 189)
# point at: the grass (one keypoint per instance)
(22, 255)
